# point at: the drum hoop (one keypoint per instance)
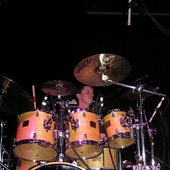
(56, 163)
(34, 141)
(121, 135)
(84, 142)
(81, 111)
(29, 114)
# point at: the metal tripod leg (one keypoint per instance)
(119, 160)
(1, 146)
(1, 164)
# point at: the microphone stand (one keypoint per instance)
(61, 134)
(129, 12)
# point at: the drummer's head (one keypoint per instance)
(85, 95)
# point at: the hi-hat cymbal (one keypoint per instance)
(59, 87)
(131, 94)
(90, 70)
(14, 99)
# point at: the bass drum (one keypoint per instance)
(108, 160)
(57, 166)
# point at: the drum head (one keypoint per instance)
(57, 166)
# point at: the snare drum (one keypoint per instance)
(34, 139)
(118, 133)
(84, 140)
(106, 160)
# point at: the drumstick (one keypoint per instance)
(34, 97)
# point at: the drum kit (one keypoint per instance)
(56, 136)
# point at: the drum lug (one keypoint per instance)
(37, 113)
(84, 113)
(34, 136)
(85, 136)
(117, 131)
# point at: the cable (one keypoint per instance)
(145, 11)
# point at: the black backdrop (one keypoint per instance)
(43, 41)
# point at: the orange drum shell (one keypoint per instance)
(119, 136)
(33, 141)
(35, 129)
(86, 138)
(115, 125)
(84, 119)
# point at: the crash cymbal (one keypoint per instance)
(13, 98)
(132, 94)
(59, 87)
(90, 70)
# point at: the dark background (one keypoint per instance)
(44, 41)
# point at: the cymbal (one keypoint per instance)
(90, 70)
(132, 94)
(13, 98)
(59, 87)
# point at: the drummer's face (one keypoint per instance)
(87, 94)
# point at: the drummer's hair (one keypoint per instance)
(80, 88)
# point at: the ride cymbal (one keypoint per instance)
(59, 87)
(90, 70)
(14, 99)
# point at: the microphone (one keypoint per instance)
(156, 109)
(129, 13)
(101, 100)
(44, 103)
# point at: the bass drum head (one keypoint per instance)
(57, 166)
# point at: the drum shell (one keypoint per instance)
(85, 139)
(34, 141)
(119, 136)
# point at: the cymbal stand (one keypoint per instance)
(2, 149)
(140, 137)
(61, 132)
(141, 153)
